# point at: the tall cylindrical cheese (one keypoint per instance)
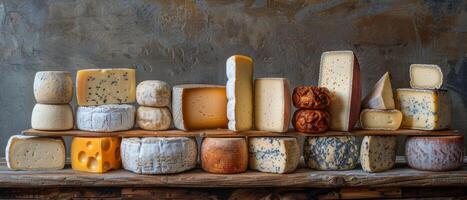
(224, 155)
(435, 153)
(155, 119)
(52, 117)
(53, 87)
(331, 153)
(153, 93)
(105, 118)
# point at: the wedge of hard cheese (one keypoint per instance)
(378, 153)
(272, 104)
(424, 76)
(380, 97)
(273, 154)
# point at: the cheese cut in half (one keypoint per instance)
(53, 87)
(240, 93)
(35, 153)
(95, 154)
(49, 117)
(272, 104)
(199, 106)
(374, 119)
(435, 153)
(105, 86)
(380, 97)
(424, 76)
(378, 153)
(105, 118)
(331, 153)
(155, 119)
(159, 155)
(340, 73)
(224, 155)
(424, 109)
(153, 93)
(273, 154)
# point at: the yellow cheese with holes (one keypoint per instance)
(95, 154)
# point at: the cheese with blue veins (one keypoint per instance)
(331, 153)
(274, 154)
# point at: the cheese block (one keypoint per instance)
(199, 106)
(273, 154)
(311, 97)
(374, 119)
(331, 153)
(340, 73)
(239, 91)
(52, 117)
(424, 76)
(53, 87)
(311, 121)
(435, 153)
(380, 97)
(105, 118)
(159, 155)
(272, 104)
(105, 86)
(35, 153)
(95, 154)
(424, 109)
(153, 93)
(378, 153)
(155, 119)
(224, 155)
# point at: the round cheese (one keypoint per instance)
(105, 118)
(273, 154)
(53, 87)
(52, 117)
(331, 153)
(153, 93)
(155, 119)
(378, 153)
(224, 155)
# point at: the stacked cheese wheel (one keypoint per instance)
(312, 103)
(154, 98)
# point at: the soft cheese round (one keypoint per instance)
(153, 93)
(224, 155)
(52, 117)
(154, 119)
(331, 153)
(435, 153)
(53, 87)
(105, 118)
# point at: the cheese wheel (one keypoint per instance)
(378, 153)
(53, 87)
(224, 155)
(331, 153)
(435, 153)
(273, 154)
(154, 119)
(153, 93)
(105, 118)
(311, 97)
(52, 117)
(311, 121)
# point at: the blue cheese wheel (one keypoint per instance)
(331, 153)
(378, 153)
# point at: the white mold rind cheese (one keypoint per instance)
(378, 153)
(154, 119)
(331, 153)
(52, 117)
(153, 93)
(53, 87)
(424, 76)
(381, 96)
(105, 118)
(158, 155)
(274, 154)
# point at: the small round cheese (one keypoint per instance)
(224, 155)
(52, 117)
(154, 119)
(53, 87)
(153, 93)
(105, 118)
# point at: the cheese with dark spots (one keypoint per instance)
(331, 153)
(273, 154)
(378, 153)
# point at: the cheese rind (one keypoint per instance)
(311, 97)
(331, 153)
(340, 73)
(272, 104)
(53, 87)
(199, 106)
(424, 109)
(105, 86)
(311, 121)
(35, 153)
(378, 153)
(239, 89)
(374, 119)
(52, 117)
(273, 154)
(154, 119)
(153, 93)
(381, 96)
(105, 118)
(423, 76)
(95, 154)
(224, 155)
(159, 155)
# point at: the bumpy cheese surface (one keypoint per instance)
(378, 153)
(224, 155)
(273, 154)
(374, 119)
(435, 153)
(52, 117)
(424, 109)
(105, 118)
(381, 96)
(239, 90)
(53, 87)
(95, 154)
(35, 153)
(331, 153)
(154, 119)
(153, 93)
(159, 155)
(105, 86)
(425, 76)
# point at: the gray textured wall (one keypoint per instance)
(189, 41)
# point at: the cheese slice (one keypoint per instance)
(53, 87)
(52, 117)
(340, 73)
(424, 76)
(331, 153)
(154, 119)
(95, 154)
(224, 155)
(378, 153)
(153, 93)
(35, 153)
(374, 119)
(424, 109)
(435, 153)
(273, 154)
(239, 91)
(159, 155)
(105, 118)
(380, 97)
(272, 104)
(199, 106)
(105, 86)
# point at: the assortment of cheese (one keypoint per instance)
(105, 99)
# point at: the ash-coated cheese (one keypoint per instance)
(105, 86)
(159, 155)
(435, 153)
(424, 76)
(340, 73)
(239, 89)
(153, 118)
(153, 93)
(95, 154)
(53, 87)
(105, 118)
(381, 96)
(50, 117)
(273, 154)
(424, 109)
(374, 119)
(378, 153)
(224, 155)
(35, 153)
(331, 153)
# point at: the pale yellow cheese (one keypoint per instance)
(52, 117)
(374, 119)
(424, 76)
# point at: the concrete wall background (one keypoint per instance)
(189, 41)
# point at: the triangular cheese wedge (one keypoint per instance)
(380, 97)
